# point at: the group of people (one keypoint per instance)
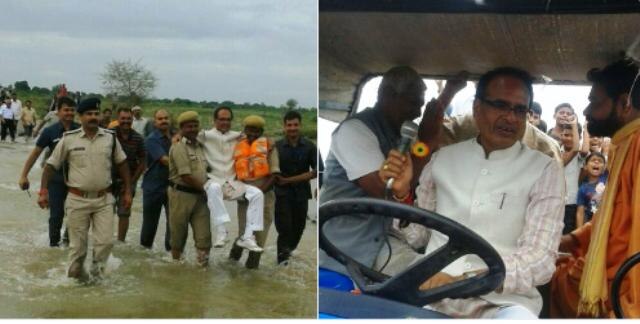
(502, 177)
(14, 114)
(92, 173)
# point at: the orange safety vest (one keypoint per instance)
(251, 159)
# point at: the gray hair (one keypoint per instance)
(400, 79)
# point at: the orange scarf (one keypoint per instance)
(594, 288)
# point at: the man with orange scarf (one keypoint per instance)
(582, 282)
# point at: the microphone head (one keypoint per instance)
(409, 130)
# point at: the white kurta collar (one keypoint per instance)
(508, 153)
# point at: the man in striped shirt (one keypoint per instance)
(133, 145)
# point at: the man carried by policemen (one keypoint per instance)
(87, 156)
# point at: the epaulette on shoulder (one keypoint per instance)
(73, 131)
(110, 131)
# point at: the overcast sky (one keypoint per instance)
(244, 51)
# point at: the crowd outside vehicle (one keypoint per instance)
(88, 175)
(562, 114)
(534, 117)
(256, 163)
(298, 165)
(133, 145)
(573, 156)
(591, 188)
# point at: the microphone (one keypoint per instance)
(408, 133)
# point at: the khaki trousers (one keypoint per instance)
(253, 261)
(184, 209)
(83, 213)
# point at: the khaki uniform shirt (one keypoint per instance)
(274, 165)
(187, 157)
(89, 160)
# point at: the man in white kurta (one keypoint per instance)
(499, 188)
(219, 143)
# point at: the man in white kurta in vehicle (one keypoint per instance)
(495, 185)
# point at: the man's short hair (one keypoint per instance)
(564, 105)
(536, 108)
(400, 79)
(292, 114)
(159, 110)
(64, 100)
(616, 78)
(107, 109)
(27, 101)
(124, 109)
(522, 75)
(215, 112)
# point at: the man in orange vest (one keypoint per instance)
(256, 163)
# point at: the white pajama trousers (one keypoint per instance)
(220, 215)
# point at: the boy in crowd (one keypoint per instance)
(590, 192)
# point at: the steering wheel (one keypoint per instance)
(404, 287)
(617, 281)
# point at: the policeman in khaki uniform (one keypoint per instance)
(187, 198)
(87, 155)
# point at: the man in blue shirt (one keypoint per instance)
(49, 138)
(156, 180)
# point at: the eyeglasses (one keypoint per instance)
(505, 107)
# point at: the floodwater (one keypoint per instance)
(139, 283)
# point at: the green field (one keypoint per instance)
(272, 115)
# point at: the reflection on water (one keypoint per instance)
(139, 283)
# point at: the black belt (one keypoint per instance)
(185, 188)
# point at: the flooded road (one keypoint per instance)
(139, 283)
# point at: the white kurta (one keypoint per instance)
(500, 198)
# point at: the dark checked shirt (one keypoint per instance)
(133, 146)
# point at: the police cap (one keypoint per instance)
(88, 104)
(187, 116)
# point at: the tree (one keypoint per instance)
(292, 103)
(22, 86)
(128, 81)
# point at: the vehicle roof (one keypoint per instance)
(560, 40)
